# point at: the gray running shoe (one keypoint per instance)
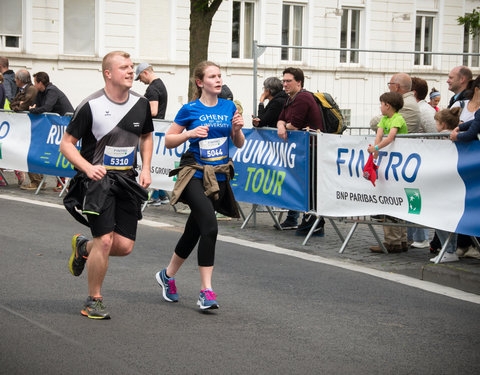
(76, 264)
(95, 309)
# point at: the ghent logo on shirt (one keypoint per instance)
(136, 124)
(107, 113)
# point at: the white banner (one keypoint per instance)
(418, 180)
(163, 159)
(14, 140)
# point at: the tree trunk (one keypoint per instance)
(201, 15)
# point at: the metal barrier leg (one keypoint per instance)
(241, 211)
(380, 242)
(250, 214)
(65, 186)
(475, 242)
(44, 181)
(312, 229)
(347, 239)
(145, 204)
(274, 217)
(340, 235)
(62, 184)
(444, 248)
(3, 177)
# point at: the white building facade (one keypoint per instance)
(68, 38)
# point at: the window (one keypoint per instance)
(79, 27)
(10, 24)
(350, 35)
(292, 30)
(471, 44)
(243, 29)
(423, 39)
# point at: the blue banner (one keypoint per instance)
(469, 171)
(44, 155)
(271, 171)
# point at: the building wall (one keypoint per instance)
(157, 31)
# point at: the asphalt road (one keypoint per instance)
(278, 314)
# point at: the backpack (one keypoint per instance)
(333, 121)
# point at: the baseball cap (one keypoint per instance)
(140, 68)
(226, 93)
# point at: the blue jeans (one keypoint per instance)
(443, 235)
(159, 194)
(417, 234)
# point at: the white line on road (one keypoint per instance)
(401, 279)
(40, 325)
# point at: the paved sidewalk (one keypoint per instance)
(463, 275)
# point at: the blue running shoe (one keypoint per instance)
(168, 286)
(207, 300)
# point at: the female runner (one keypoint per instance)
(208, 123)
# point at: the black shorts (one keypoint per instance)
(119, 216)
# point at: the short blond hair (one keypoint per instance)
(107, 59)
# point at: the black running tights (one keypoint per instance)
(201, 224)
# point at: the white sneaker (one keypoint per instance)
(447, 257)
(472, 252)
(155, 202)
(421, 245)
(165, 200)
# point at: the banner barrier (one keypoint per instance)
(431, 182)
(270, 171)
(31, 143)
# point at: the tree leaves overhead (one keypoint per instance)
(471, 21)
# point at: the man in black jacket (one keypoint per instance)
(49, 98)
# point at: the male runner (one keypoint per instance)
(111, 123)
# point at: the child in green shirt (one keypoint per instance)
(392, 122)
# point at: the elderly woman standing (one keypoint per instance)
(273, 92)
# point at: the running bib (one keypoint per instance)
(213, 149)
(118, 157)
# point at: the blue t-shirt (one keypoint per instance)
(212, 150)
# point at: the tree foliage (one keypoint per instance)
(201, 16)
(471, 21)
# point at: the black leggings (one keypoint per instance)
(201, 224)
